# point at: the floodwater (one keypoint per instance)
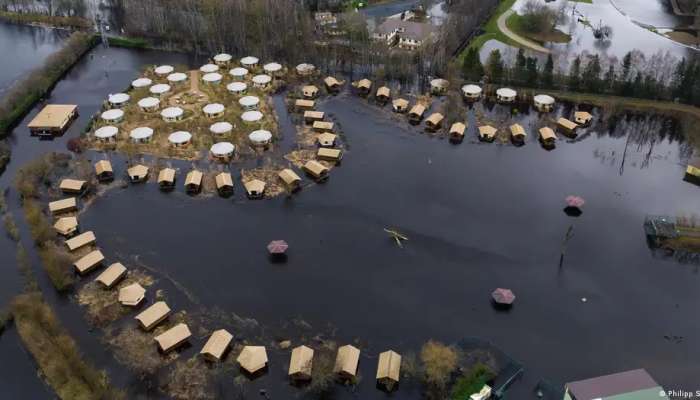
(478, 216)
(24, 48)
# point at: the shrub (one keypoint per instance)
(41, 229)
(58, 265)
(472, 382)
(10, 226)
(439, 361)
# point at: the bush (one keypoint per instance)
(439, 361)
(537, 17)
(39, 225)
(472, 382)
(58, 265)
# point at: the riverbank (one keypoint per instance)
(52, 21)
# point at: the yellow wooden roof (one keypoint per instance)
(389, 366)
(194, 177)
(223, 180)
(347, 360)
(112, 274)
(301, 362)
(252, 358)
(81, 240)
(89, 261)
(153, 315)
(289, 177)
(315, 168)
(173, 337)
(217, 344)
(53, 116)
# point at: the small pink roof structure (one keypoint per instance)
(575, 201)
(277, 247)
(503, 296)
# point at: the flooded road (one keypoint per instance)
(478, 216)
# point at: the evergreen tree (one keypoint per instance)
(532, 71)
(472, 69)
(548, 73)
(521, 67)
(590, 78)
(609, 80)
(494, 67)
(575, 75)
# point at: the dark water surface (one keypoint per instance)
(478, 217)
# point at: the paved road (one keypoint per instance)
(525, 42)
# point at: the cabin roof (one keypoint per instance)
(304, 103)
(53, 116)
(166, 175)
(384, 92)
(255, 185)
(458, 128)
(173, 336)
(63, 204)
(327, 139)
(325, 125)
(81, 240)
(333, 154)
(565, 123)
(400, 103)
(89, 261)
(153, 314)
(223, 180)
(487, 131)
(347, 360)
(138, 170)
(112, 274)
(132, 295)
(435, 118)
(315, 167)
(517, 130)
(66, 225)
(314, 114)
(301, 361)
(389, 366)
(417, 109)
(309, 90)
(583, 115)
(252, 358)
(331, 81)
(194, 177)
(217, 344)
(364, 84)
(546, 133)
(288, 176)
(103, 166)
(74, 185)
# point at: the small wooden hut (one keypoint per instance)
(224, 184)
(347, 361)
(193, 182)
(255, 189)
(253, 359)
(567, 127)
(415, 115)
(364, 86)
(383, 94)
(583, 118)
(517, 134)
(302, 104)
(63, 206)
(138, 173)
(132, 295)
(112, 275)
(487, 133)
(434, 122)
(332, 84)
(328, 154)
(316, 170)
(66, 226)
(301, 363)
(309, 91)
(290, 179)
(547, 137)
(312, 116)
(173, 337)
(400, 105)
(389, 369)
(457, 132)
(217, 345)
(327, 139)
(166, 179)
(89, 262)
(153, 315)
(82, 240)
(103, 170)
(322, 126)
(72, 186)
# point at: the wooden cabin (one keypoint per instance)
(326, 139)
(252, 359)
(434, 122)
(63, 206)
(312, 116)
(302, 104)
(103, 170)
(316, 170)
(217, 345)
(583, 118)
(173, 337)
(347, 361)
(132, 295)
(89, 262)
(383, 94)
(82, 240)
(415, 116)
(301, 363)
(166, 179)
(547, 137)
(567, 127)
(332, 84)
(487, 133)
(322, 126)
(309, 91)
(112, 275)
(255, 189)
(138, 173)
(66, 226)
(389, 369)
(224, 184)
(290, 178)
(400, 105)
(54, 119)
(328, 154)
(193, 182)
(153, 315)
(364, 86)
(457, 132)
(692, 171)
(517, 134)
(72, 186)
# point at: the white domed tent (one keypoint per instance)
(164, 70)
(180, 138)
(238, 73)
(305, 69)
(114, 115)
(107, 133)
(213, 110)
(221, 128)
(260, 137)
(212, 78)
(172, 114)
(222, 58)
(208, 68)
(159, 89)
(141, 83)
(249, 62)
(118, 100)
(272, 68)
(471, 92)
(439, 86)
(222, 151)
(249, 102)
(543, 102)
(237, 87)
(262, 81)
(142, 134)
(149, 104)
(177, 77)
(506, 95)
(251, 116)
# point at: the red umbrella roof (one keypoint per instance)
(277, 247)
(503, 296)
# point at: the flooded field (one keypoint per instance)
(478, 216)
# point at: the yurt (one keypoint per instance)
(212, 78)
(506, 95)
(107, 133)
(149, 104)
(213, 110)
(260, 137)
(251, 116)
(141, 83)
(249, 62)
(180, 138)
(177, 78)
(249, 102)
(142, 134)
(221, 128)
(118, 100)
(262, 81)
(439, 86)
(164, 70)
(172, 114)
(159, 89)
(272, 68)
(113, 116)
(222, 59)
(238, 73)
(237, 87)
(305, 69)
(471, 92)
(222, 151)
(543, 102)
(208, 68)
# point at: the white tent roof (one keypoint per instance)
(304, 67)
(544, 99)
(223, 57)
(141, 82)
(471, 89)
(172, 112)
(237, 86)
(212, 77)
(249, 101)
(164, 69)
(177, 77)
(221, 127)
(251, 116)
(140, 133)
(147, 102)
(179, 137)
(213, 108)
(249, 60)
(106, 132)
(260, 136)
(160, 88)
(119, 98)
(506, 92)
(112, 115)
(207, 68)
(262, 79)
(222, 149)
(238, 72)
(272, 67)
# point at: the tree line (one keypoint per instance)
(659, 77)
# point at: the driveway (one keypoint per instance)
(521, 40)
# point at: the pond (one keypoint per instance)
(478, 216)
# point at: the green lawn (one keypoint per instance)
(491, 30)
(515, 24)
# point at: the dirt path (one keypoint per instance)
(512, 35)
(194, 81)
